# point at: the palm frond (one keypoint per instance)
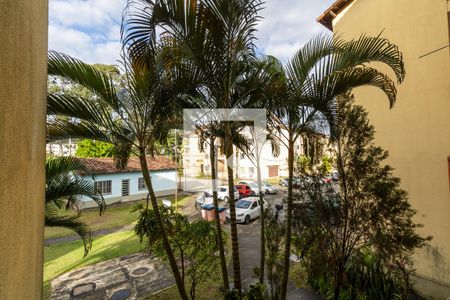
(368, 49)
(57, 166)
(100, 83)
(64, 129)
(74, 223)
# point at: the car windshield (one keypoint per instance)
(243, 204)
(267, 184)
(222, 189)
(251, 184)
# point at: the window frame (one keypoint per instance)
(104, 185)
(141, 180)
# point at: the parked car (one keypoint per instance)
(335, 175)
(253, 187)
(247, 209)
(285, 181)
(222, 194)
(244, 190)
(205, 198)
(269, 188)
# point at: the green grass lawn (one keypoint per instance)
(65, 257)
(116, 215)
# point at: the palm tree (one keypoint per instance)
(131, 117)
(216, 38)
(64, 188)
(323, 69)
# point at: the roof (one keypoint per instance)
(106, 165)
(326, 19)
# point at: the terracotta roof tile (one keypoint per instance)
(106, 165)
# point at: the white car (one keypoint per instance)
(247, 209)
(222, 194)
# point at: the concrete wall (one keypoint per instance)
(164, 183)
(417, 130)
(23, 83)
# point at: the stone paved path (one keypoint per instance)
(129, 277)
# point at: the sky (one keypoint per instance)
(90, 29)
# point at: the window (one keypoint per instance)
(125, 187)
(141, 184)
(103, 187)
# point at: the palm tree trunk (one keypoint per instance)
(223, 262)
(287, 249)
(166, 244)
(261, 218)
(233, 225)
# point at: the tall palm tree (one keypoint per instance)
(63, 187)
(216, 38)
(131, 117)
(323, 69)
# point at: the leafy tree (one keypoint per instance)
(368, 215)
(91, 148)
(324, 68)
(216, 42)
(131, 117)
(171, 146)
(64, 188)
(194, 244)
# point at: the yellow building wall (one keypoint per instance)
(23, 87)
(416, 131)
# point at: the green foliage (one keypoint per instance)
(91, 148)
(372, 279)
(194, 244)
(275, 232)
(64, 188)
(326, 165)
(170, 145)
(256, 292)
(350, 236)
(231, 295)
(303, 164)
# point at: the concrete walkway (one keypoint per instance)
(249, 255)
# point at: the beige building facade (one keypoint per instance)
(416, 132)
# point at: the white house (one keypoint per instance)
(118, 185)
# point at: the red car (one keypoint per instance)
(244, 190)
